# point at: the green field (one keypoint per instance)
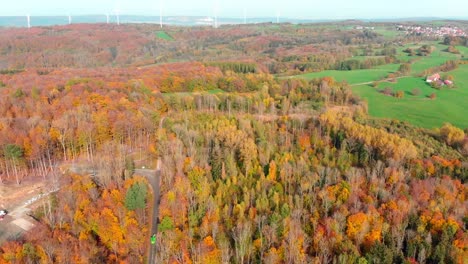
(387, 32)
(437, 58)
(355, 77)
(451, 105)
(164, 35)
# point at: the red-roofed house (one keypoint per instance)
(433, 78)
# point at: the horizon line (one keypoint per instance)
(254, 17)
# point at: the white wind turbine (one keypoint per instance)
(107, 18)
(245, 16)
(117, 16)
(117, 13)
(215, 11)
(28, 18)
(161, 13)
(278, 11)
(69, 19)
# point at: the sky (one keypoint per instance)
(311, 9)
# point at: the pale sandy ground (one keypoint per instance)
(15, 199)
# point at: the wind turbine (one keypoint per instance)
(107, 18)
(116, 12)
(161, 13)
(215, 14)
(118, 17)
(69, 19)
(245, 16)
(28, 18)
(278, 11)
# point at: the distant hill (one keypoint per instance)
(21, 21)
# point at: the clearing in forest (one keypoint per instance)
(164, 35)
(449, 105)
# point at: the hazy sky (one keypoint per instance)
(315, 9)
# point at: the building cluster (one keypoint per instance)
(362, 27)
(433, 31)
(435, 78)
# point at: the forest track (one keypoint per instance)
(154, 179)
(384, 80)
(155, 183)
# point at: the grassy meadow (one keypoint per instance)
(356, 76)
(164, 35)
(450, 105)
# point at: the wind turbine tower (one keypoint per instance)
(107, 18)
(161, 13)
(118, 17)
(278, 11)
(216, 14)
(28, 17)
(216, 21)
(245, 16)
(69, 19)
(117, 13)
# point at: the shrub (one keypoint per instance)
(465, 146)
(451, 135)
(448, 66)
(436, 85)
(448, 77)
(387, 91)
(416, 91)
(425, 50)
(405, 68)
(391, 75)
(433, 96)
(453, 50)
(410, 52)
(399, 94)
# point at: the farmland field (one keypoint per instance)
(164, 35)
(387, 33)
(450, 105)
(356, 76)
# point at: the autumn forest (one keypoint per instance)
(253, 164)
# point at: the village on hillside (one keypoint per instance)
(433, 31)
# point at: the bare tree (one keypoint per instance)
(242, 235)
